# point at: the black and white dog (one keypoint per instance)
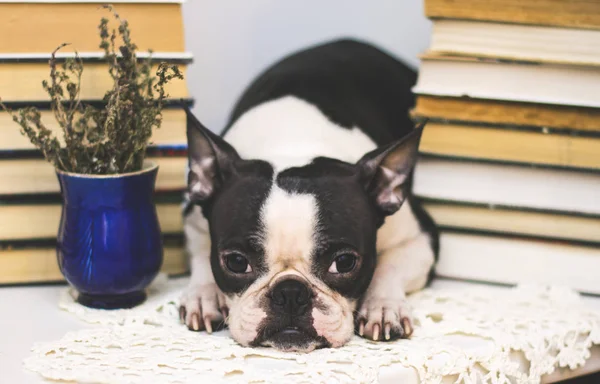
(301, 227)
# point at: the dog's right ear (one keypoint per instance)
(386, 170)
(211, 160)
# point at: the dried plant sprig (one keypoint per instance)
(108, 140)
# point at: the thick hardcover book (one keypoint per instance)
(560, 13)
(458, 76)
(516, 42)
(172, 131)
(511, 145)
(466, 109)
(514, 260)
(37, 217)
(35, 262)
(37, 176)
(506, 220)
(494, 183)
(40, 26)
(22, 82)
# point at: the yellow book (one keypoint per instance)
(514, 221)
(510, 145)
(22, 221)
(39, 265)
(509, 113)
(22, 82)
(34, 27)
(31, 176)
(171, 133)
(561, 13)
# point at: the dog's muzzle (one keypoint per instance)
(289, 324)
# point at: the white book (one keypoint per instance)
(508, 185)
(514, 261)
(561, 84)
(517, 42)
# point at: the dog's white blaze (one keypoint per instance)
(289, 222)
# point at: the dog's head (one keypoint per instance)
(294, 249)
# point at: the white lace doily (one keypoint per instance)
(550, 326)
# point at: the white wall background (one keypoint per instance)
(234, 40)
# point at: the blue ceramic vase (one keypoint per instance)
(109, 241)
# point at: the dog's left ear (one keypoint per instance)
(211, 160)
(385, 171)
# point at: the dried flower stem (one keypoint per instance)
(108, 140)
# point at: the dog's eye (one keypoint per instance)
(343, 263)
(237, 263)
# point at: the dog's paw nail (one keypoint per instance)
(361, 328)
(182, 314)
(225, 313)
(207, 325)
(376, 329)
(195, 322)
(388, 328)
(408, 330)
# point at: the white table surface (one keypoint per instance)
(30, 314)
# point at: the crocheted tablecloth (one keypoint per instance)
(550, 326)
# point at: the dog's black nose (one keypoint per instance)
(291, 294)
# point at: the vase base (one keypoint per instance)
(124, 301)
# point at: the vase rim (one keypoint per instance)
(148, 166)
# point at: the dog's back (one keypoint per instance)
(352, 83)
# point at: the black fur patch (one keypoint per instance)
(234, 219)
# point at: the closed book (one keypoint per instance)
(35, 263)
(522, 186)
(466, 109)
(506, 220)
(40, 26)
(511, 145)
(172, 131)
(37, 176)
(459, 76)
(38, 217)
(22, 82)
(561, 13)
(513, 260)
(516, 42)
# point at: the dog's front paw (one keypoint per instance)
(384, 319)
(202, 307)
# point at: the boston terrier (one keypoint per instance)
(300, 225)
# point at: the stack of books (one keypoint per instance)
(30, 204)
(510, 166)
